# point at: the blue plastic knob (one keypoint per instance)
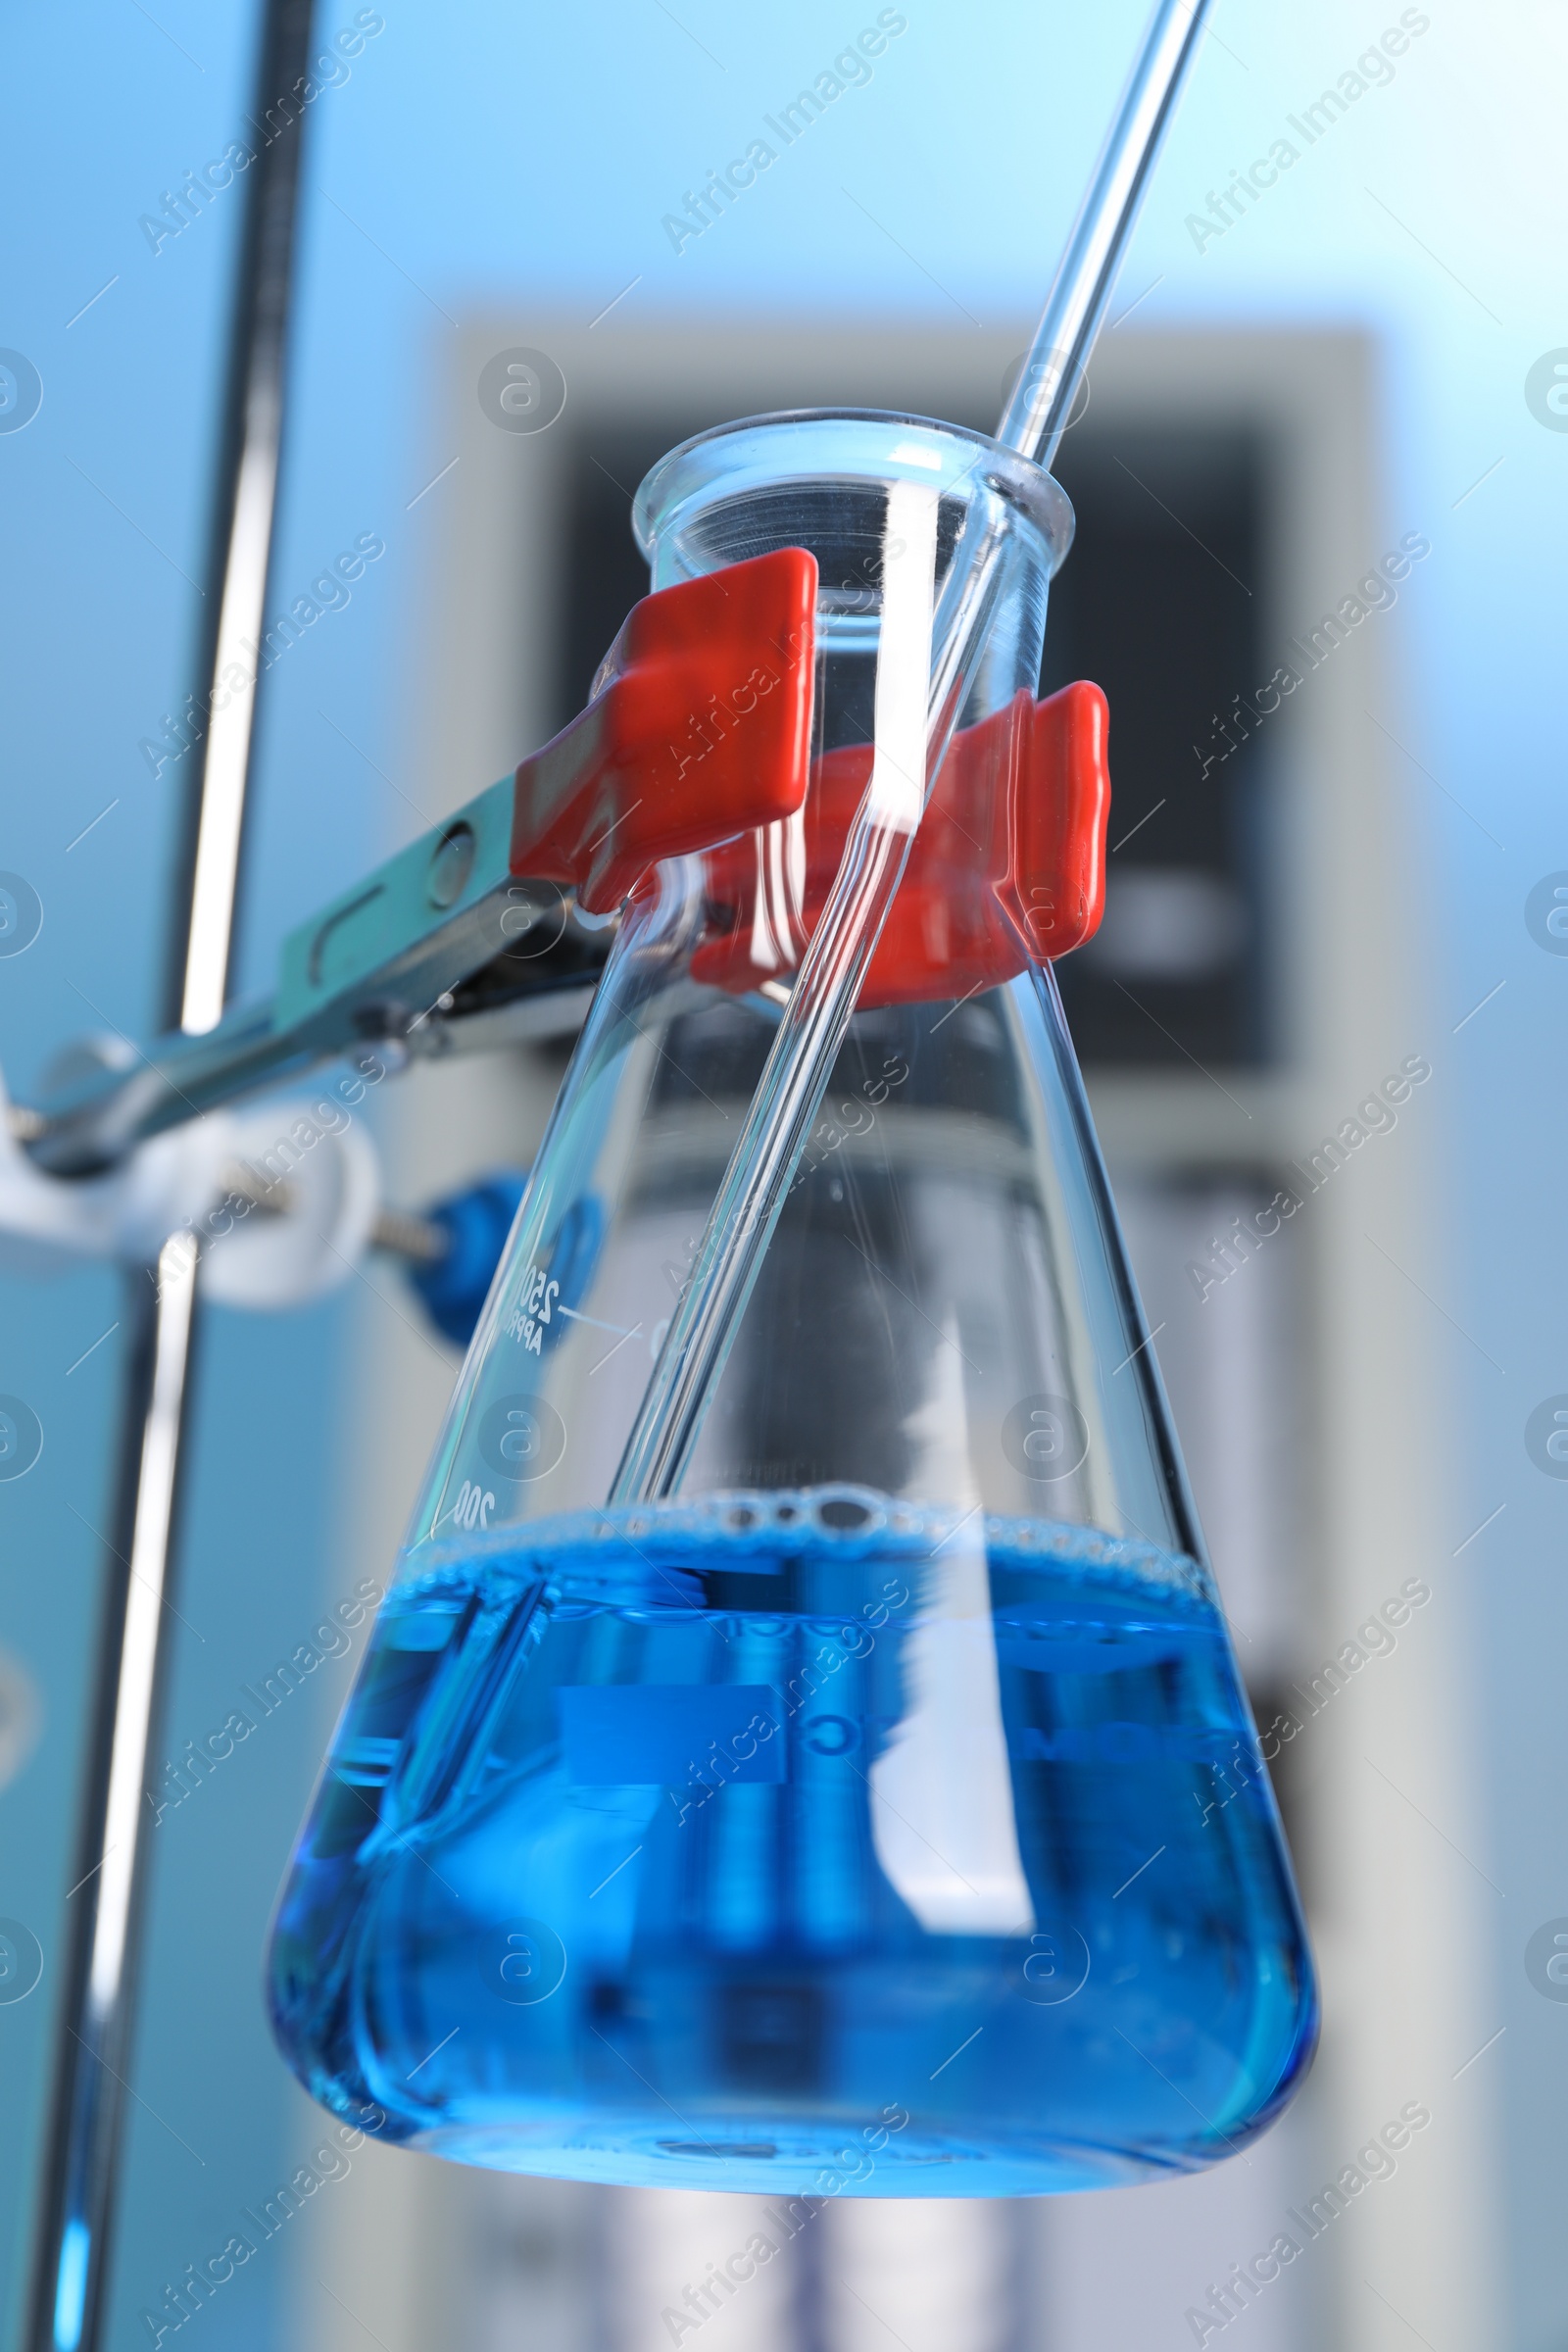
(476, 1221)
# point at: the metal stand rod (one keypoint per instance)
(105, 1905)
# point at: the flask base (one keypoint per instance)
(790, 2157)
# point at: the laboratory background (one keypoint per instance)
(1323, 439)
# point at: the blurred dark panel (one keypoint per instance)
(604, 572)
(1159, 603)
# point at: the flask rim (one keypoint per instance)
(812, 444)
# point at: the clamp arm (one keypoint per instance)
(700, 728)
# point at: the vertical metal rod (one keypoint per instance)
(107, 1899)
(242, 538)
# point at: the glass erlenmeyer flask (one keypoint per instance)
(881, 1813)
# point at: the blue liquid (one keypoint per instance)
(729, 1845)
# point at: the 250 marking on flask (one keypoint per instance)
(531, 1314)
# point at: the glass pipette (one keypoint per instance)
(822, 1000)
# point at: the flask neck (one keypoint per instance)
(837, 485)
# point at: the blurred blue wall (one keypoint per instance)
(499, 155)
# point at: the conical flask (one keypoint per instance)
(880, 1812)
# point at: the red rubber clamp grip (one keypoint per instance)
(1008, 868)
(699, 743)
(703, 731)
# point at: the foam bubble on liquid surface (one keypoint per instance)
(842, 1522)
(757, 1807)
